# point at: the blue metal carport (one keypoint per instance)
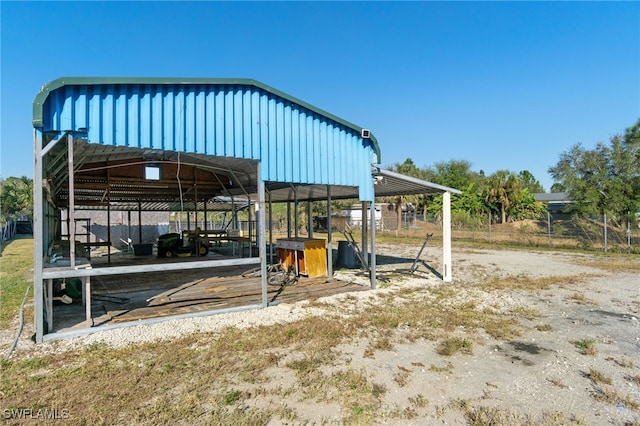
(237, 137)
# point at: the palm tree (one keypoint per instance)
(499, 189)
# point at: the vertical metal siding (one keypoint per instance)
(293, 143)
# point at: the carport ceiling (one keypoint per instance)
(115, 177)
(387, 184)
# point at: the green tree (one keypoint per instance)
(524, 206)
(16, 197)
(499, 189)
(605, 179)
(409, 168)
(530, 182)
(456, 174)
(558, 187)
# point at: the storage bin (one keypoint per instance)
(142, 249)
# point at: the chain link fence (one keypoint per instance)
(555, 230)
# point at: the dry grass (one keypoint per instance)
(226, 377)
(523, 282)
(453, 345)
(586, 346)
(625, 362)
(448, 368)
(213, 378)
(634, 379)
(581, 299)
(617, 263)
(482, 416)
(557, 382)
(402, 376)
(597, 377)
(609, 395)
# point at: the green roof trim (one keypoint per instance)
(47, 88)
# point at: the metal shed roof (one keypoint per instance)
(225, 126)
(387, 184)
(39, 116)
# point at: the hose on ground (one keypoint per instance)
(21, 324)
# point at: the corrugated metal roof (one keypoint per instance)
(224, 118)
(46, 89)
(388, 184)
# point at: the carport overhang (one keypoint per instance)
(386, 184)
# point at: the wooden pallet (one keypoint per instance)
(222, 293)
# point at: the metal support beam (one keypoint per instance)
(250, 228)
(289, 219)
(295, 212)
(109, 232)
(365, 237)
(446, 237)
(329, 230)
(372, 263)
(50, 145)
(262, 243)
(309, 221)
(270, 230)
(139, 222)
(71, 212)
(38, 237)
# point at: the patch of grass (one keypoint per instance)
(16, 266)
(445, 369)
(361, 414)
(544, 327)
(598, 377)
(586, 346)
(380, 344)
(238, 416)
(482, 416)
(231, 397)
(419, 401)
(402, 376)
(625, 362)
(526, 312)
(634, 379)
(461, 404)
(523, 282)
(94, 346)
(453, 345)
(613, 263)
(581, 299)
(610, 396)
(557, 382)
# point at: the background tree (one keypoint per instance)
(529, 181)
(558, 187)
(456, 174)
(16, 197)
(499, 189)
(409, 168)
(605, 179)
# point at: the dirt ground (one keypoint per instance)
(542, 376)
(576, 361)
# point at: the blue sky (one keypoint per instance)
(504, 85)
